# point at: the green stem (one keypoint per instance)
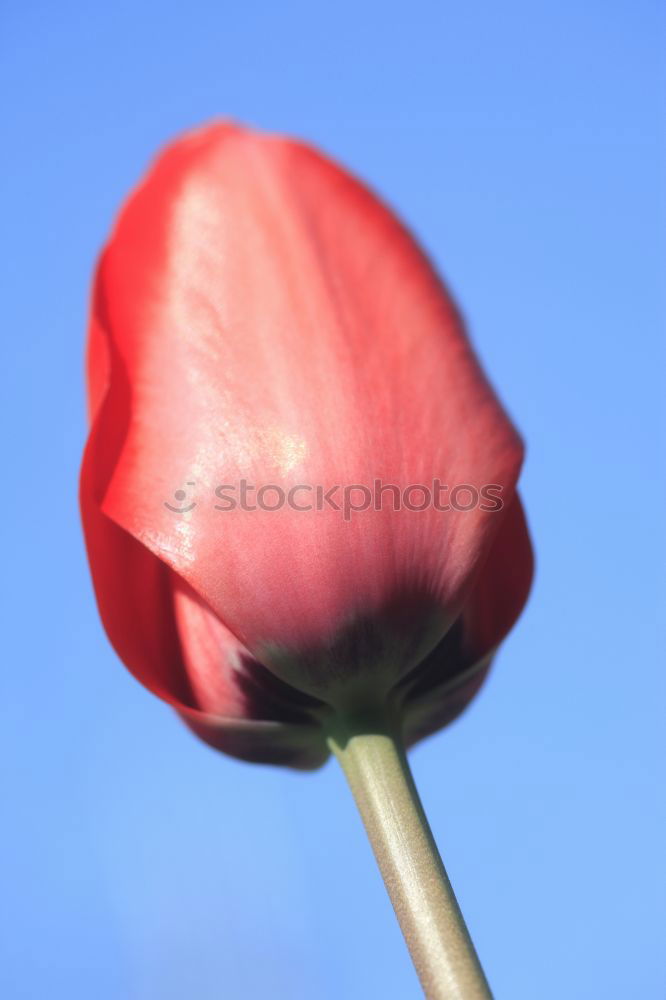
(438, 940)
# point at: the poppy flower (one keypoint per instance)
(260, 317)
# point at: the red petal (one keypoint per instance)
(136, 593)
(132, 585)
(447, 680)
(271, 319)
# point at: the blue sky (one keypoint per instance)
(524, 144)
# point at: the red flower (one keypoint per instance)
(260, 316)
